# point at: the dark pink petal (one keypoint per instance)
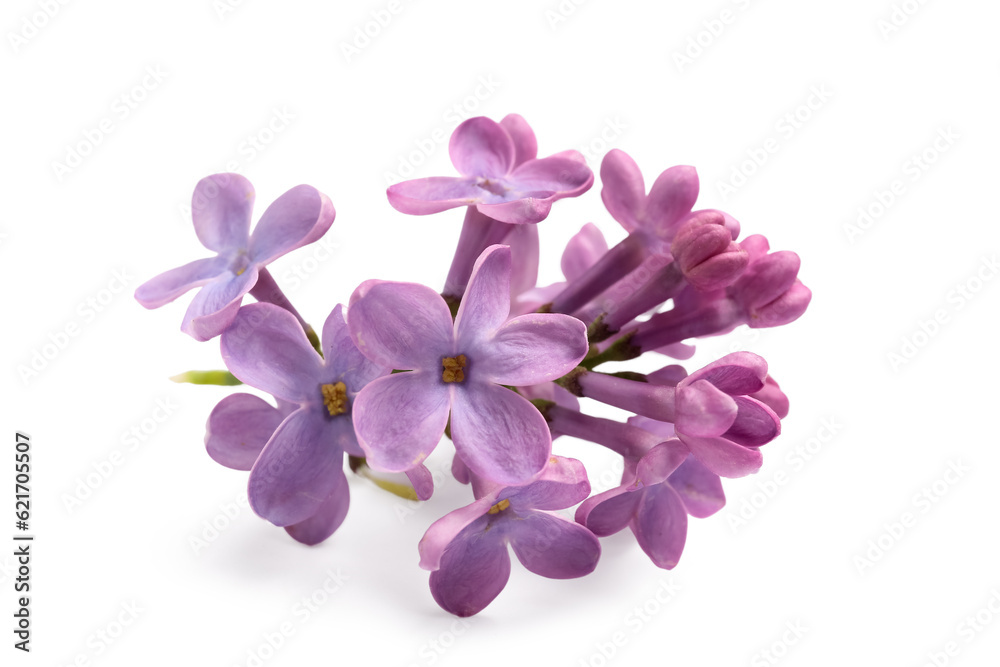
(772, 396)
(786, 308)
(238, 428)
(400, 418)
(297, 471)
(441, 533)
(487, 298)
(403, 326)
(525, 144)
(703, 410)
(523, 242)
(624, 192)
(421, 480)
(481, 147)
(342, 358)
(518, 211)
(607, 513)
(553, 547)
(767, 278)
(169, 285)
(736, 373)
(221, 208)
(266, 348)
(498, 433)
(670, 199)
(474, 569)
(328, 517)
(531, 349)
(724, 457)
(755, 424)
(561, 484)
(660, 525)
(699, 488)
(460, 471)
(214, 306)
(423, 196)
(298, 217)
(583, 250)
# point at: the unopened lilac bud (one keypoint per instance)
(706, 254)
(786, 308)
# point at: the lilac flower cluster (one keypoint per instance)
(494, 362)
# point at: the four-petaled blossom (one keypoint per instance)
(493, 179)
(461, 368)
(466, 550)
(299, 476)
(221, 208)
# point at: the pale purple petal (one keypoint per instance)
(487, 298)
(342, 358)
(531, 349)
(423, 196)
(169, 285)
(551, 177)
(297, 471)
(660, 525)
(518, 211)
(583, 250)
(403, 326)
(755, 424)
(699, 488)
(523, 242)
(659, 463)
(298, 217)
(607, 513)
(663, 429)
(221, 208)
(553, 547)
(767, 278)
(703, 410)
(441, 533)
(624, 192)
(238, 428)
(266, 348)
(327, 518)
(736, 373)
(521, 134)
(670, 199)
(481, 147)
(772, 396)
(498, 433)
(214, 306)
(400, 418)
(473, 571)
(561, 484)
(421, 480)
(724, 457)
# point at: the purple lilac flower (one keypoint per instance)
(466, 550)
(492, 180)
(298, 477)
(458, 368)
(221, 209)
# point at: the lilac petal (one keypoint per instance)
(459, 470)
(772, 396)
(609, 512)
(670, 199)
(669, 376)
(266, 348)
(767, 278)
(531, 349)
(423, 196)
(704, 410)
(663, 429)
(214, 306)
(481, 147)
(238, 428)
(520, 211)
(755, 424)
(660, 525)
(400, 325)
(297, 471)
(786, 308)
(561, 484)
(400, 418)
(736, 374)
(342, 358)
(298, 217)
(699, 488)
(523, 242)
(169, 285)
(624, 192)
(443, 531)
(724, 457)
(421, 480)
(498, 433)
(474, 569)
(550, 391)
(554, 177)
(221, 208)
(327, 518)
(553, 547)
(583, 250)
(521, 134)
(659, 463)
(487, 298)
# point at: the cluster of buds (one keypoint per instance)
(494, 362)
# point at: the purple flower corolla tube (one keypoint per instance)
(582, 251)
(493, 180)
(221, 209)
(458, 368)
(466, 550)
(298, 481)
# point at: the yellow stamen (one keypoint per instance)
(453, 368)
(335, 398)
(240, 272)
(499, 507)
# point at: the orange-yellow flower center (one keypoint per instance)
(453, 368)
(335, 398)
(500, 506)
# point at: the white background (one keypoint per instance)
(590, 77)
